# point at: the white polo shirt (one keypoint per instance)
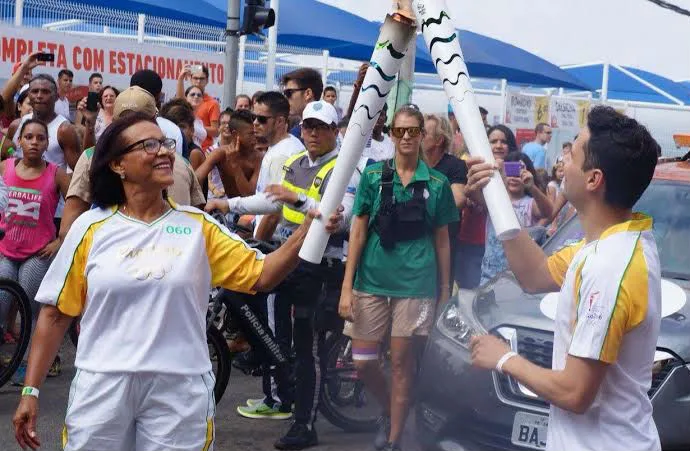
(143, 289)
(609, 309)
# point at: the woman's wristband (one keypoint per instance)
(30, 391)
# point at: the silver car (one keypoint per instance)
(463, 408)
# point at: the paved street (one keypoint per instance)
(232, 432)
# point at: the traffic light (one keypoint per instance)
(257, 17)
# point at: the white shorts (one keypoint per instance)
(139, 412)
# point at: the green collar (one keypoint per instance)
(421, 174)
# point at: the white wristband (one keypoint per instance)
(507, 356)
(30, 391)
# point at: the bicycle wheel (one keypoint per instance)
(220, 359)
(18, 324)
(344, 401)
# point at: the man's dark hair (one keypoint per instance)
(95, 75)
(330, 89)
(105, 185)
(483, 111)
(276, 102)
(67, 72)
(624, 151)
(48, 78)
(305, 78)
(256, 95)
(179, 111)
(540, 127)
(149, 80)
(510, 137)
(241, 117)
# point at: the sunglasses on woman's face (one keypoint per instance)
(195, 94)
(412, 132)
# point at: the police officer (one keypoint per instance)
(305, 178)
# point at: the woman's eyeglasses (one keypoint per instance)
(195, 94)
(152, 145)
(412, 132)
(289, 92)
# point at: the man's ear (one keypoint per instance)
(595, 180)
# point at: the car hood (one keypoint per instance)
(503, 302)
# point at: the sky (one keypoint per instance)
(633, 33)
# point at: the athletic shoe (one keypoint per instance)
(19, 375)
(392, 447)
(383, 428)
(254, 401)
(262, 411)
(300, 436)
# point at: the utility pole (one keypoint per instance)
(232, 50)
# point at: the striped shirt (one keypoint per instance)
(609, 309)
(143, 289)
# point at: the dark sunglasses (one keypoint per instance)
(152, 145)
(399, 132)
(195, 94)
(289, 92)
(261, 119)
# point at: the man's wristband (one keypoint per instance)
(507, 356)
(30, 391)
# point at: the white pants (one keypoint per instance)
(140, 412)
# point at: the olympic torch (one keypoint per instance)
(396, 34)
(444, 47)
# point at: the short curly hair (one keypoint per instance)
(624, 151)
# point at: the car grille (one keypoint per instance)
(537, 347)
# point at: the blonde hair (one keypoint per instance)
(442, 128)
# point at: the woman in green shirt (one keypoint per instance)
(398, 267)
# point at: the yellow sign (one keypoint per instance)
(541, 109)
(583, 107)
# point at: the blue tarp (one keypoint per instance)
(311, 24)
(185, 10)
(623, 87)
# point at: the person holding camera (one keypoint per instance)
(209, 110)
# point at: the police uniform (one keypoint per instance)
(313, 289)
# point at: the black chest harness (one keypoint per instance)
(400, 221)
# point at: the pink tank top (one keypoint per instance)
(28, 220)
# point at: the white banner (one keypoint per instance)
(569, 114)
(525, 111)
(116, 59)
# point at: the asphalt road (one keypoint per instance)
(232, 432)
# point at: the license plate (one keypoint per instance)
(530, 430)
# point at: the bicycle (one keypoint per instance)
(19, 319)
(223, 306)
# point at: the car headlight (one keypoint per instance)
(457, 321)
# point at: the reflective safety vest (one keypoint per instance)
(300, 178)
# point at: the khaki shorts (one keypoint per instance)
(375, 315)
